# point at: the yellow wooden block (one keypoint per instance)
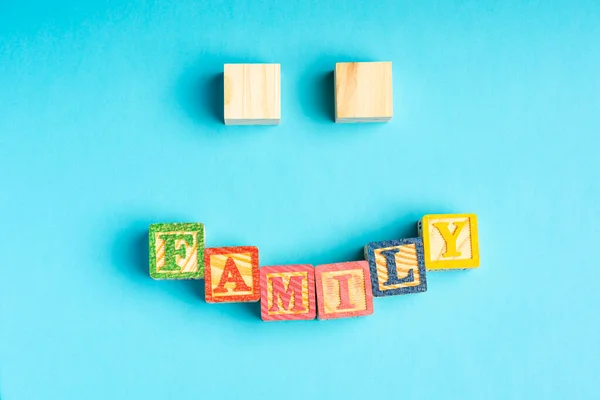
(450, 241)
(252, 94)
(363, 92)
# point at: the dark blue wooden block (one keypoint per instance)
(397, 267)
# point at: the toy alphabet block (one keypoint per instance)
(232, 274)
(287, 292)
(450, 241)
(176, 251)
(397, 267)
(252, 94)
(343, 290)
(363, 92)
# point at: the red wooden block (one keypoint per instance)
(344, 290)
(287, 292)
(231, 274)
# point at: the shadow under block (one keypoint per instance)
(450, 241)
(343, 290)
(252, 94)
(363, 92)
(287, 292)
(231, 274)
(176, 251)
(397, 267)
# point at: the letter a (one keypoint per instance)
(231, 273)
(450, 238)
(279, 291)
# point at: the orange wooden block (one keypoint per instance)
(231, 274)
(344, 290)
(287, 292)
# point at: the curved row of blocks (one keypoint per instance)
(252, 93)
(297, 292)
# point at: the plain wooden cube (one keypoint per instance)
(363, 92)
(252, 94)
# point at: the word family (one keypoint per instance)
(303, 292)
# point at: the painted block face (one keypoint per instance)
(344, 290)
(397, 267)
(252, 94)
(450, 241)
(176, 251)
(363, 91)
(231, 274)
(287, 292)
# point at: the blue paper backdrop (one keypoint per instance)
(110, 119)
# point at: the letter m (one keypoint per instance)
(294, 288)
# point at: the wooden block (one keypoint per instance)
(287, 292)
(252, 94)
(232, 274)
(344, 290)
(397, 267)
(450, 241)
(176, 251)
(363, 92)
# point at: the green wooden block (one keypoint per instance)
(177, 251)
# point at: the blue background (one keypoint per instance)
(110, 119)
